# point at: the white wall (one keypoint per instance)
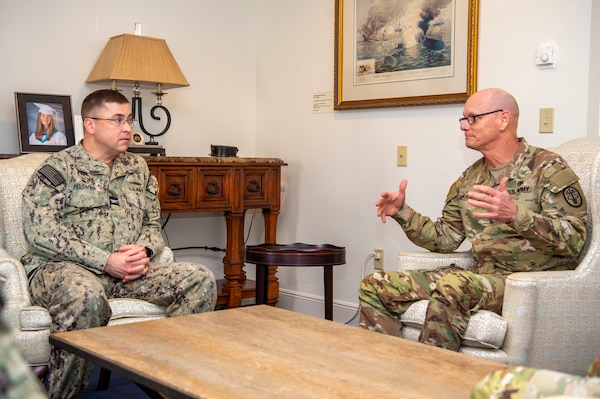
(253, 67)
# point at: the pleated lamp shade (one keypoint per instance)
(136, 58)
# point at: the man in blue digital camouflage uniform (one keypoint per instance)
(92, 220)
(521, 207)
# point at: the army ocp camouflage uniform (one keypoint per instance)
(76, 212)
(530, 383)
(548, 234)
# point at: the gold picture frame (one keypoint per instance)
(400, 53)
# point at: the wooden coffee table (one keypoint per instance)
(266, 352)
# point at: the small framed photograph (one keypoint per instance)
(44, 121)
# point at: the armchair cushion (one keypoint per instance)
(133, 309)
(34, 318)
(485, 329)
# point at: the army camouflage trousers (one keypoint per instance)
(77, 299)
(453, 295)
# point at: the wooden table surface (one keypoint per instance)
(266, 352)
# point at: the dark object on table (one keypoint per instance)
(223, 151)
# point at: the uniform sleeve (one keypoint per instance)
(560, 226)
(443, 235)
(151, 236)
(43, 205)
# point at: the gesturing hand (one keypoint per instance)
(390, 203)
(497, 204)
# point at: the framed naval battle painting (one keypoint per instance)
(44, 121)
(394, 53)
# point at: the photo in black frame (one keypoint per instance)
(44, 122)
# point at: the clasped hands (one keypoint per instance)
(129, 263)
(495, 204)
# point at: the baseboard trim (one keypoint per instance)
(313, 305)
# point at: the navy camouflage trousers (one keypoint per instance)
(77, 299)
(453, 294)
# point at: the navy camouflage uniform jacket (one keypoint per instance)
(76, 209)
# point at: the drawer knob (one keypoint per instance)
(213, 187)
(254, 186)
(175, 188)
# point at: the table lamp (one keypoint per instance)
(140, 60)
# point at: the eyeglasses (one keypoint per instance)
(117, 122)
(473, 118)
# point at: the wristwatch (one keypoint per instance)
(149, 252)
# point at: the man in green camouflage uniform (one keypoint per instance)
(521, 207)
(16, 378)
(92, 220)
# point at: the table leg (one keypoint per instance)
(261, 284)
(328, 284)
(234, 258)
(272, 289)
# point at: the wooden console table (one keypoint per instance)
(229, 185)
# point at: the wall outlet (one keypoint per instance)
(378, 264)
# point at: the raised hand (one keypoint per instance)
(497, 204)
(390, 203)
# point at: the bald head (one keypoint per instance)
(498, 99)
(493, 133)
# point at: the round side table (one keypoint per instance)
(295, 255)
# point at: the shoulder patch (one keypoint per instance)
(52, 175)
(573, 197)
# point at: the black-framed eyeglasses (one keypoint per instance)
(117, 122)
(471, 119)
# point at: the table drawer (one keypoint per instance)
(177, 188)
(214, 188)
(255, 186)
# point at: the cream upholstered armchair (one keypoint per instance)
(549, 319)
(31, 324)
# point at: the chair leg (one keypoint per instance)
(103, 379)
(40, 371)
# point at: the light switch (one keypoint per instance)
(546, 120)
(402, 155)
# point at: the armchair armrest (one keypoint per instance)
(552, 319)
(13, 278)
(414, 260)
(15, 290)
